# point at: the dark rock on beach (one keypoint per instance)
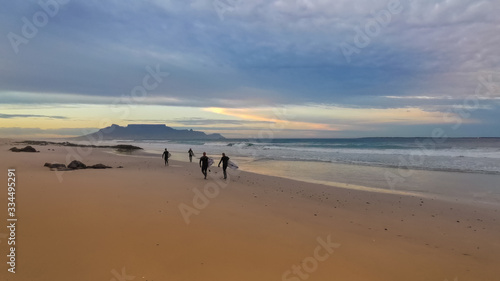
(99, 166)
(120, 147)
(26, 149)
(126, 147)
(55, 166)
(77, 165)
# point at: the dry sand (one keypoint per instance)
(125, 224)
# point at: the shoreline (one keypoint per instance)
(487, 195)
(380, 177)
(482, 196)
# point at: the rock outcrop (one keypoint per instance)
(56, 166)
(75, 165)
(25, 149)
(99, 166)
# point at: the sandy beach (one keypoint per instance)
(149, 222)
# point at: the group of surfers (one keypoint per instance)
(204, 161)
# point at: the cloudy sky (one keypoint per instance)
(297, 68)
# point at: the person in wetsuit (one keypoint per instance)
(204, 164)
(165, 156)
(224, 161)
(191, 153)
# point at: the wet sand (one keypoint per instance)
(127, 223)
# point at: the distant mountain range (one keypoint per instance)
(148, 132)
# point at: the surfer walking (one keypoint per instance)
(191, 154)
(204, 164)
(225, 160)
(165, 156)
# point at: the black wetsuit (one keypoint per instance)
(165, 156)
(204, 165)
(190, 152)
(224, 161)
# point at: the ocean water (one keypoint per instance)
(467, 169)
(472, 155)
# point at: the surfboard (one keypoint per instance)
(232, 165)
(210, 161)
(169, 155)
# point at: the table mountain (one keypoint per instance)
(148, 132)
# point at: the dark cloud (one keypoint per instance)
(9, 116)
(14, 131)
(202, 121)
(102, 48)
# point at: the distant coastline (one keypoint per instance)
(147, 132)
(120, 147)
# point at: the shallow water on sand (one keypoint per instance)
(463, 187)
